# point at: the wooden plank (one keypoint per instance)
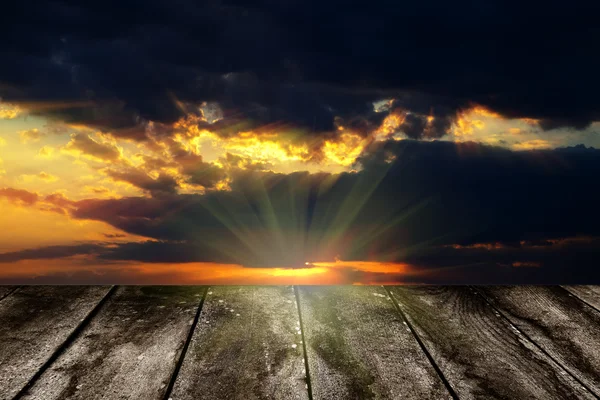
(128, 351)
(34, 322)
(480, 353)
(560, 324)
(590, 294)
(359, 347)
(6, 290)
(246, 346)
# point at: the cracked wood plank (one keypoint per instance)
(360, 348)
(128, 351)
(559, 323)
(480, 353)
(246, 346)
(34, 322)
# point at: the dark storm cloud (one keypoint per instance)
(482, 209)
(302, 62)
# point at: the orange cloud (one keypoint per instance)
(526, 264)
(31, 135)
(534, 144)
(46, 152)
(265, 147)
(515, 131)
(245, 163)
(469, 121)
(571, 240)
(465, 125)
(55, 202)
(278, 144)
(97, 190)
(345, 150)
(19, 196)
(367, 266)
(530, 121)
(9, 111)
(389, 126)
(44, 176)
(484, 246)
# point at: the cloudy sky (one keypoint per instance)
(300, 142)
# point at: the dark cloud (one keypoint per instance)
(85, 144)
(414, 126)
(573, 262)
(18, 195)
(164, 252)
(301, 62)
(194, 169)
(55, 202)
(550, 124)
(114, 235)
(162, 184)
(50, 252)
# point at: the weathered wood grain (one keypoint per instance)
(359, 347)
(128, 351)
(247, 345)
(588, 293)
(6, 290)
(34, 322)
(480, 353)
(560, 324)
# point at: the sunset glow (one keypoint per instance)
(78, 269)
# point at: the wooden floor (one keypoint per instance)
(284, 342)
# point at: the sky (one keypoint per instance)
(288, 142)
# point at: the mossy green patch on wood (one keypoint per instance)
(329, 343)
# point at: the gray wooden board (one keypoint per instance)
(359, 347)
(587, 293)
(246, 346)
(480, 353)
(128, 351)
(563, 326)
(34, 322)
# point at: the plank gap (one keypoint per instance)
(68, 341)
(580, 299)
(185, 346)
(308, 381)
(11, 291)
(422, 345)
